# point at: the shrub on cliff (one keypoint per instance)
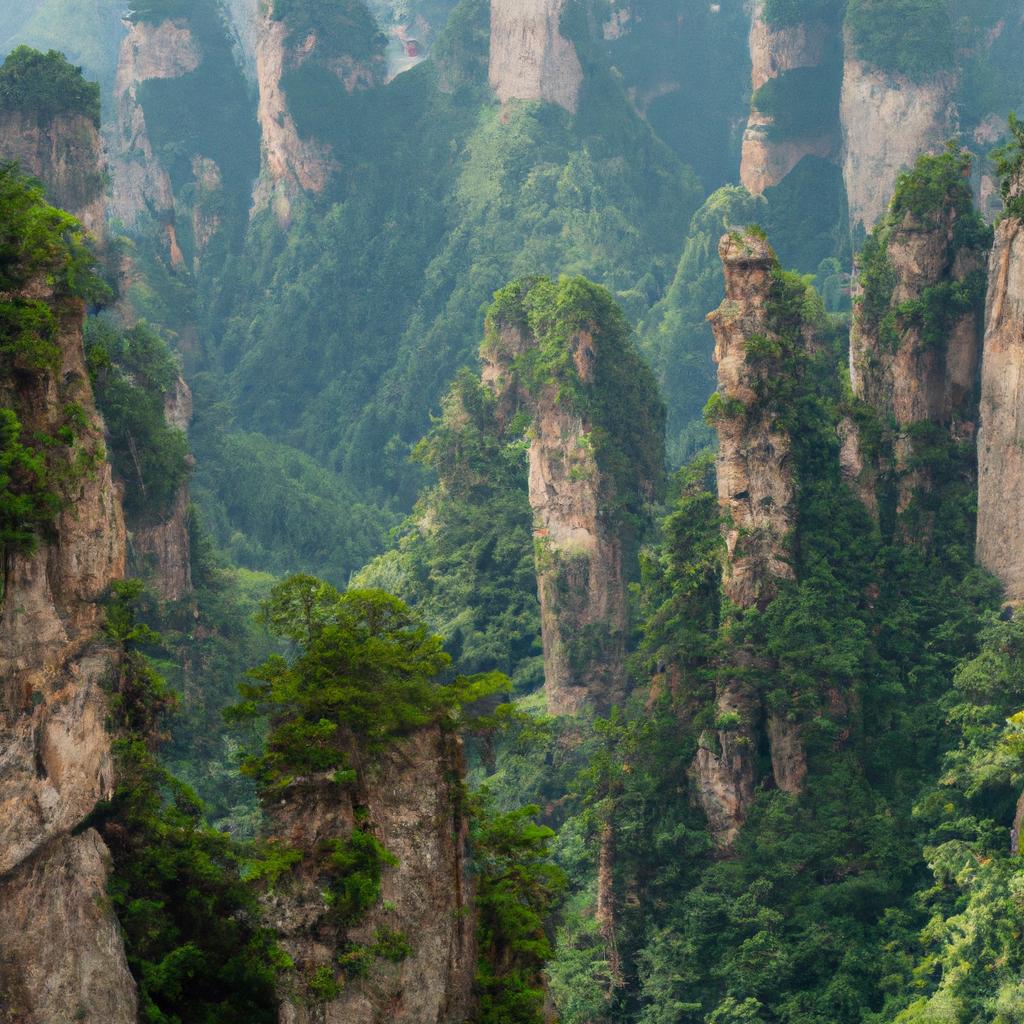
(46, 85)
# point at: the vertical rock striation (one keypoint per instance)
(756, 491)
(409, 798)
(773, 144)
(888, 121)
(530, 58)
(1001, 437)
(586, 477)
(915, 344)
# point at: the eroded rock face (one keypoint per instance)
(65, 154)
(888, 122)
(64, 960)
(767, 159)
(900, 369)
(141, 186)
(410, 796)
(1001, 437)
(757, 495)
(530, 58)
(579, 547)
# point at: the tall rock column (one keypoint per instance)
(915, 344)
(530, 58)
(794, 70)
(756, 492)
(561, 354)
(1001, 437)
(61, 956)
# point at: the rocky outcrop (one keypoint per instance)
(64, 153)
(580, 541)
(888, 121)
(1001, 436)
(530, 58)
(161, 552)
(770, 153)
(408, 797)
(140, 184)
(60, 953)
(757, 494)
(915, 343)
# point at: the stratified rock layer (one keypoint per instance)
(410, 795)
(1001, 437)
(530, 58)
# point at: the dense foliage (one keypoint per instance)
(133, 373)
(38, 245)
(191, 923)
(909, 37)
(46, 85)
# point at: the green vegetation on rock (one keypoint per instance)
(46, 86)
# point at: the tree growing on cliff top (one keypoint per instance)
(363, 668)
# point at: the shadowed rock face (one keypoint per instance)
(60, 950)
(1001, 437)
(530, 58)
(757, 494)
(410, 797)
(766, 159)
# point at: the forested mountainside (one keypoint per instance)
(509, 511)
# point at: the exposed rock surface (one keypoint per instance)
(64, 961)
(766, 159)
(410, 796)
(141, 187)
(579, 549)
(530, 58)
(906, 376)
(756, 492)
(1001, 437)
(888, 122)
(66, 155)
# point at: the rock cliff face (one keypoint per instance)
(579, 540)
(66, 154)
(60, 950)
(141, 186)
(530, 58)
(888, 121)
(769, 154)
(408, 798)
(915, 344)
(1001, 437)
(756, 492)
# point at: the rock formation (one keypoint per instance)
(60, 950)
(408, 797)
(580, 540)
(298, 163)
(65, 153)
(757, 494)
(530, 58)
(770, 151)
(888, 121)
(1001, 437)
(915, 344)
(141, 186)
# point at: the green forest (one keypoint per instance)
(497, 528)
